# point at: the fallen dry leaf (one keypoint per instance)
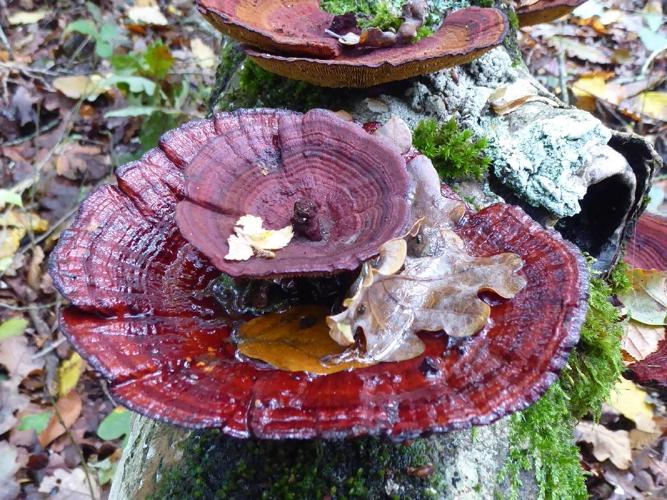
(26, 17)
(9, 487)
(607, 444)
(69, 407)
(203, 54)
(429, 294)
(508, 98)
(584, 51)
(295, 340)
(652, 104)
(630, 400)
(647, 300)
(641, 439)
(78, 86)
(66, 485)
(149, 14)
(640, 340)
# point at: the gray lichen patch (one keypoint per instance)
(541, 153)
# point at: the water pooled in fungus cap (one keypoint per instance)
(289, 39)
(141, 315)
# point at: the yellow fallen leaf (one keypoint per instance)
(78, 86)
(149, 14)
(651, 104)
(607, 444)
(204, 54)
(14, 226)
(69, 372)
(26, 17)
(630, 400)
(640, 340)
(295, 340)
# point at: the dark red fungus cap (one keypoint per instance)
(544, 11)
(141, 316)
(266, 163)
(294, 27)
(293, 44)
(647, 247)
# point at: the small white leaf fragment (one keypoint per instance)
(149, 14)
(252, 238)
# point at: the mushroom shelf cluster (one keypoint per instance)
(290, 39)
(138, 263)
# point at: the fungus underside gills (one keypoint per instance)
(541, 437)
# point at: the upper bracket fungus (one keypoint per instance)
(143, 314)
(291, 40)
(532, 12)
(344, 191)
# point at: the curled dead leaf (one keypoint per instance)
(429, 294)
(607, 444)
(641, 340)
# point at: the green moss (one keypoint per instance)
(349, 469)
(513, 19)
(256, 87)
(453, 151)
(541, 437)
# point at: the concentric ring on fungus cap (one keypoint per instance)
(262, 163)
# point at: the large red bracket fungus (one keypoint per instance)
(289, 39)
(345, 191)
(142, 315)
(532, 12)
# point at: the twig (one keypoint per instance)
(44, 129)
(650, 59)
(52, 347)
(78, 449)
(562, 73)
(25, 308)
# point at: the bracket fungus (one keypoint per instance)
(290, 39)
(532, 12)
(344, 191)
(143, 315)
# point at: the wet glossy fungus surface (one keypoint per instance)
(141, 315)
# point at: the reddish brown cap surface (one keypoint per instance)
(263, 163)
(463, 36)
(141, 316)
(294, 27)
(544, 11)
(647, 247)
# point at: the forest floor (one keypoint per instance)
(86, 87)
